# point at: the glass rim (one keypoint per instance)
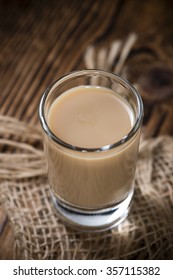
(79, 73)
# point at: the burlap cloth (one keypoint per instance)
(147, 233)
(39, 234)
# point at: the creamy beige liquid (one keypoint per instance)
(91, 117)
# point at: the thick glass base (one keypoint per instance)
(93, 220)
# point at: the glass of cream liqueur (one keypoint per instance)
(91, 121)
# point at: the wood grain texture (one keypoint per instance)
(42, 40)
(6, 238)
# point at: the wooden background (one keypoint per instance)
(42, 40)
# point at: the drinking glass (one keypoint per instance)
(92, 188)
